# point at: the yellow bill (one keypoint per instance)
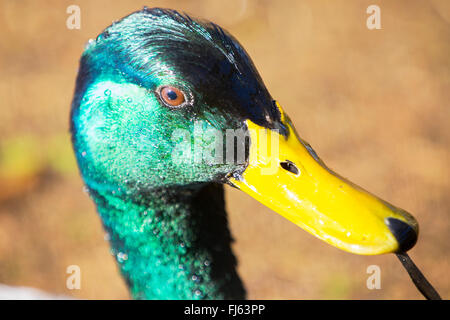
(286, 175)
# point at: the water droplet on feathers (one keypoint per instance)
(89, 43)
(122, 256)
(197, 292)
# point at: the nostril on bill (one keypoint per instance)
(406, 236)
(289, 166)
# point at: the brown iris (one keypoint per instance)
(172, 96)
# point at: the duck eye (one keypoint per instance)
(172, 96)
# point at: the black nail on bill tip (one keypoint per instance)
(404, 233)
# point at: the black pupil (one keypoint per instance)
(172, 95)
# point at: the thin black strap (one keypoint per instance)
(418, 278)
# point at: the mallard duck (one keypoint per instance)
(157, 98)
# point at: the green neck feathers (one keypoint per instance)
(172, 244)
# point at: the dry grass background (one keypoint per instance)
(374, 104)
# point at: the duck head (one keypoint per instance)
(166, 101)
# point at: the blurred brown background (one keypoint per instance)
(373, 103)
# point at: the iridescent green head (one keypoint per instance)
(148, 89)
